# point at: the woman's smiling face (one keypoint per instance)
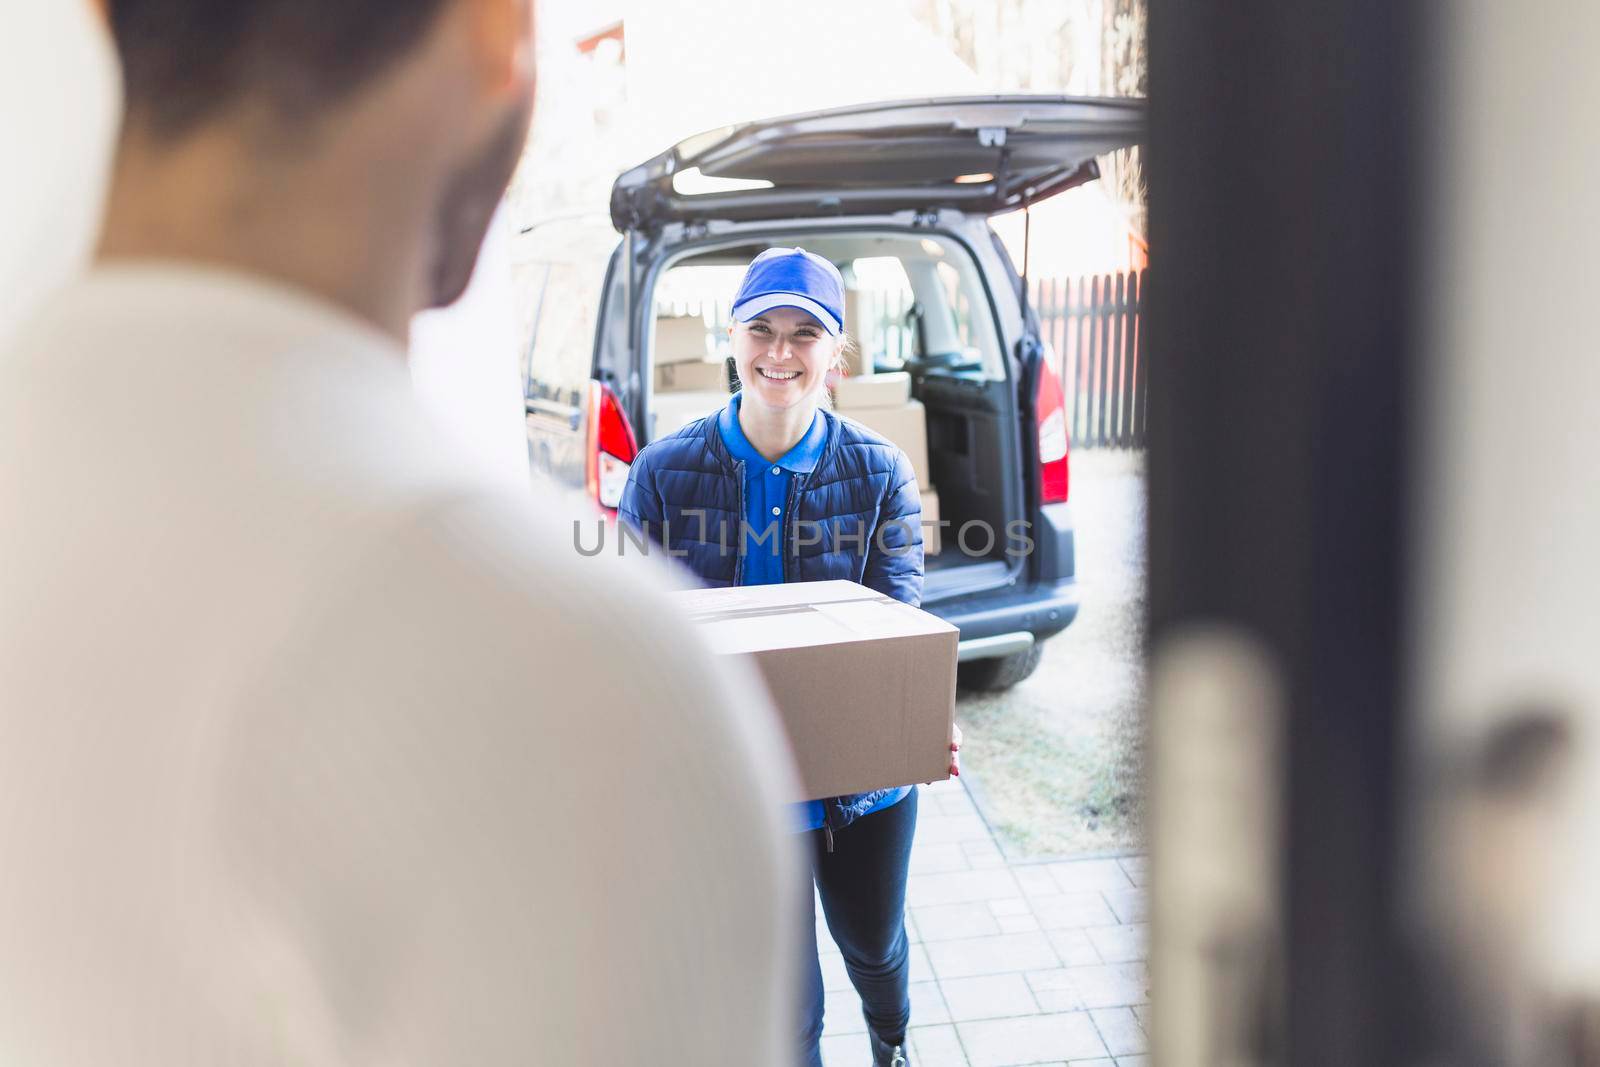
(783, 356)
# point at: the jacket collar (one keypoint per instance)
(712, 438)
(801, 459)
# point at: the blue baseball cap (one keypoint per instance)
(792, 278)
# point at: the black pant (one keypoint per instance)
(862, 883)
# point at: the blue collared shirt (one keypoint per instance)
(766, 494)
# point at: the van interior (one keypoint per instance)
(925, 370)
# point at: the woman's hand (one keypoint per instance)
(955, 750)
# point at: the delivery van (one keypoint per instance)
(625, 339)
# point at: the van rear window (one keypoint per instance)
(908, 298)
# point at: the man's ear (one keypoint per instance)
(502, 34)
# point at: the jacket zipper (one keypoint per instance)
(791, 561)
(738, 548)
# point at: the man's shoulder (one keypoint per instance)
(484, 605)
(472, 574)
(535, 550)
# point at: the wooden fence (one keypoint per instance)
(1092, 326)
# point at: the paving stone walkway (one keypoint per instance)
(1026, 963)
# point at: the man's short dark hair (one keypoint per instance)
(186, 61)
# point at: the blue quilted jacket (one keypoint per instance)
(856, 516)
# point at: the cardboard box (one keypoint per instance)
(854, 312)
(855, 324)
(906, 426)
(865, 685)
(669, 411)
(680, 339)
(692, 377)
(930, 523)
(889, 390)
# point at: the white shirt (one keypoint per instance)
(314, 752)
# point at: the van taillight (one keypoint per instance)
(1053, 463)
(612, 446)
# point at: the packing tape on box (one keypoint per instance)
(725, 614)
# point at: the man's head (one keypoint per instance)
(423, 104)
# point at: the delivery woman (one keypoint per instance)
(777, 488)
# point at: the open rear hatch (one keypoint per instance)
(920, 301)
(983, 154)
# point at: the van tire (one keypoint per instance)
(1001, 673)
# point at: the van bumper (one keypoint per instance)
(1042, 610)
(1044, 607)
(1054, 546)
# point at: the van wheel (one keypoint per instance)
(994, 675)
